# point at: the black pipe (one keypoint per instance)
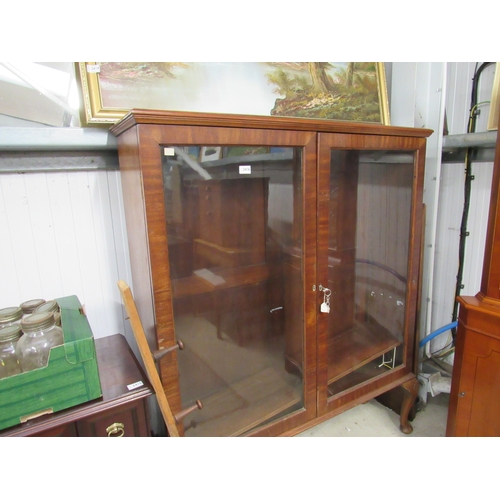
(467, 190)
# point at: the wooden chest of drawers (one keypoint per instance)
(121, 411)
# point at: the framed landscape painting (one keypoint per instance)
(354, 91)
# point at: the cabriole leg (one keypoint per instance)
(410, 395)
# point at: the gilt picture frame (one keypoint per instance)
(495, 101)
(353, 91)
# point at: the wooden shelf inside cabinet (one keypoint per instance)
(355, 347)
(125, 389)
(207, 281)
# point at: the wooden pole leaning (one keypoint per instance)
(147, 357)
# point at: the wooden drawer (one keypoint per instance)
(127, 421)
(68, 430)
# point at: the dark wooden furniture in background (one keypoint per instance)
(242, 257)
(121, 411)
(474, 407)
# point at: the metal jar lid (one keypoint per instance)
(11, 332)
(30, 305)
(37, 321)
(10, 314)
(49, 306)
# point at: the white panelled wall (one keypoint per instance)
(433, 95)
(417, 92)
(63, 233)
(451, 199)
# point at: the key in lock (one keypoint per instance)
(325, 305)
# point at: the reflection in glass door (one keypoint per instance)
(368, 254)
(235, 253)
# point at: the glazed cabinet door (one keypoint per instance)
(368, 213)
(239, 214)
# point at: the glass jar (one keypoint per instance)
(40, 335)
(9, 364)
(10, 316)
(50, 306)
(29, 306)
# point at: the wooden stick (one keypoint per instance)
(147, 357)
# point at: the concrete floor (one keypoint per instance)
(372, 419)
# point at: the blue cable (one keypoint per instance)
(437, 332)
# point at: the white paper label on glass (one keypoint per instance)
(169, 151)
(245, 169)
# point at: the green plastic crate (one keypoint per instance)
(70, 378)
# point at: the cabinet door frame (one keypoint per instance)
(150, 138)
(373, 387)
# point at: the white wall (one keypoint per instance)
(451, 199)
(417, 100)
(422, 94)
(63, 234)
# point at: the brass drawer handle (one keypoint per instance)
(116, 430)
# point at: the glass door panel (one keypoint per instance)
(368, 253)
(234, 228)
